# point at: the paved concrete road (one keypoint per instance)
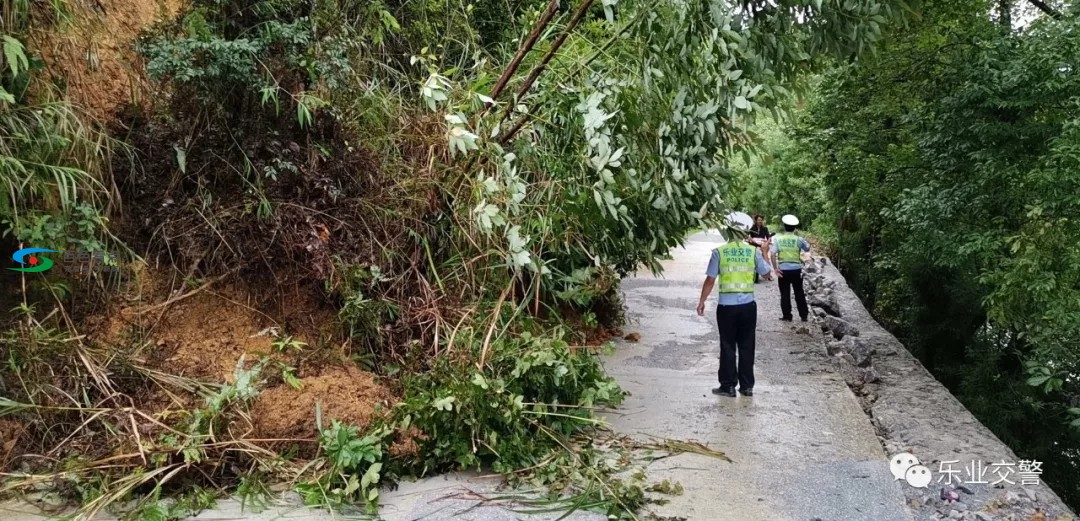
(802, 446)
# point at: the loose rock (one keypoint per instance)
(834, 347)
(869, 375)
(856, 377)
(948, 495)
(861, 351)
(827, 303)
(840, 327)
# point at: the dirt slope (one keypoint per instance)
(91, 52)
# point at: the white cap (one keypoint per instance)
(790, 220)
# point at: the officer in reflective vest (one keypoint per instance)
(734, 264)
(787, 251)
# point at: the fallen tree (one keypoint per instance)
(400, 227)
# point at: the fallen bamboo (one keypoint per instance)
(527, 46)
(540, 67)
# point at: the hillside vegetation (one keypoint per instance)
(356, 239)
(942, 173)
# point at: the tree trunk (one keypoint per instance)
(1044, 7)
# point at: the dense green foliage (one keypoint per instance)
(535, 382)
(783, 178)
(55, 184)
(446, 203)
(657, 102)
(951, 198)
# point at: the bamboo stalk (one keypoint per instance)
(513, 130)
(540, 67)
(527, 46)
(494, 322)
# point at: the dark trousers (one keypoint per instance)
(792, 279)
(737, 333)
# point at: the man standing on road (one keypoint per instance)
(759, 236)
(735, 263)
(786, 256)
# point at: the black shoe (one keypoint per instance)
(786, 319)
(746, 392)
(722, 391)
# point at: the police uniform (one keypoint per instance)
(788, 248)
(734, 265)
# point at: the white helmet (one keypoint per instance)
(790, 220)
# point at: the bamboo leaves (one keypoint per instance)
(434, 91)
(519, 255)
(461, 140)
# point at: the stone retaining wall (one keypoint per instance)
(914, 413)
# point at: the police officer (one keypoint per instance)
(787, 251)
(735, 263)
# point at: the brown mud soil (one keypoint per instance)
(205, 336)
(405, 442)
(346, 394)
(600, 335)
(203, 333)
(201, 337)
(92, 51)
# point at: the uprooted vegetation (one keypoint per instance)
(361, 240)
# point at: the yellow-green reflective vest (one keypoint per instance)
(736, 268)
(787, 248)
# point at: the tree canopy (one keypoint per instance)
(942, 173)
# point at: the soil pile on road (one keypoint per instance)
(342, 393)
(204, 336)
